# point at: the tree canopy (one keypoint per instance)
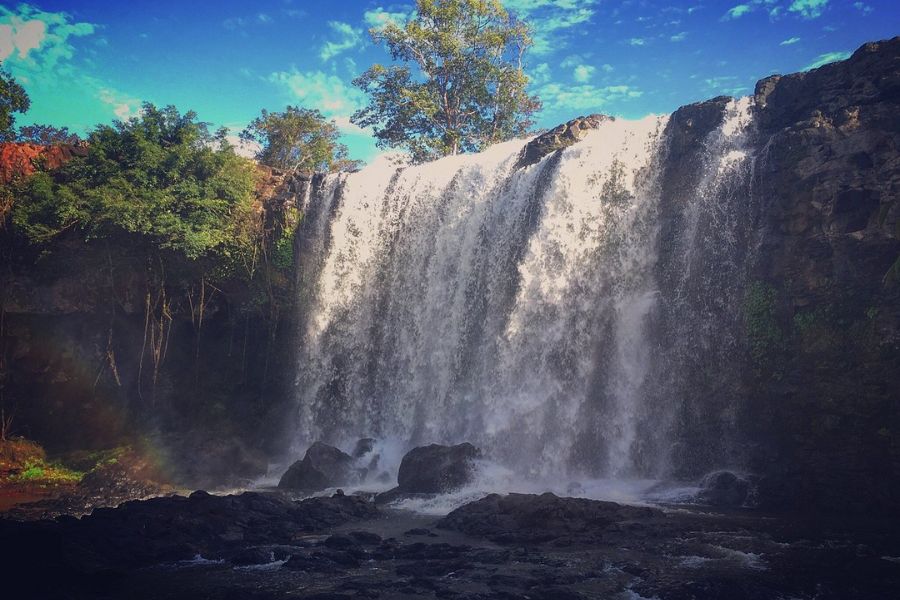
(13, 99)
(46, 135)
(460, 85)
(297, 138)
(161, 175)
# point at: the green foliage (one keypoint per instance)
(46, 135)
(462, 87)
(297, 138)
(283, 252)
(764, 333)
(161, 176)
(13, 99)
(38, 470)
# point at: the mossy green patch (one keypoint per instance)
(41, 471)
(764, 333)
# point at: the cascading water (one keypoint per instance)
(470, 299)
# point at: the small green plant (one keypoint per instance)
(764, 333)
(39, 471)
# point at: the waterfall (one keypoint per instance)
(469, 299)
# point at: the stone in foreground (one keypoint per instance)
(322, 467)
(532, 518)
(437, 469)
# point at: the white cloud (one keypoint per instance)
(790, 41)
(573, 60)
(348, 37)
(316, 89)
(21, 37)
(234, 23)
(637, 41)
(550, 18)
(737, 12)
(607, 68)
(585, 96)
(36, 46)
(540, 74)
(719, 83)
(679, 37)
(828, 57)
(245, 148)
(808, 9)
(123, 106)
(773, 7)
(379, 17)
(38, 49)
(862, 7)
(343, 123)
(583, 73)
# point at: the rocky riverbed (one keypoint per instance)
(265, 545)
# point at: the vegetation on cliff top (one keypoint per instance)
(162, 176)
(298, 138)
(461, 84)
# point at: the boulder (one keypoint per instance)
(725, 489)
(558, 138)
(322, 467)
(436, 469)
(532, 518)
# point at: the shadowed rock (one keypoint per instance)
(433, 469)
(322, 467)
(531, 518)
(726, 489)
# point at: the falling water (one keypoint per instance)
(470, 299)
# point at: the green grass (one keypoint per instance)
(40, 471)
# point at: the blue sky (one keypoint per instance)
(92, 61)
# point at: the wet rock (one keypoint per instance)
(558, 138)
(530, 518)
(437, 469)
(366, 538)
(252, 556)
(363, 447)
(160, 530)
(323, 466)
(689, 126)
(725, 489)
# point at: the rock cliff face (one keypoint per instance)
(829, 174)
(820, 380)
(21, 160)
(78, 366)
(558, 138)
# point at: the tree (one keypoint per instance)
(46, 135)
(463, 84)
(161, 176)
(13, 99)
(298, 138)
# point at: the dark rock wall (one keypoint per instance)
(817, 345)
(826, 413)
(77, 367)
